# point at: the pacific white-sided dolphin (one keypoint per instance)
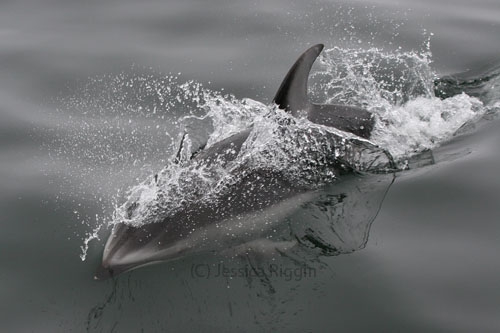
(258, 198)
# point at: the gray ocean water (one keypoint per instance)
(428, 262)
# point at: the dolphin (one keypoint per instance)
(258, 199)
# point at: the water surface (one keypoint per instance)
(74, 137)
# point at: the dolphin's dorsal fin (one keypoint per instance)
(292, 94)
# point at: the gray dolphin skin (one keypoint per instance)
(292, 97)
(259, 199)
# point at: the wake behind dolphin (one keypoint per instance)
(230, 193)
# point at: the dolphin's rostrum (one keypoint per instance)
(259, 198)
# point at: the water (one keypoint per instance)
(95, 98)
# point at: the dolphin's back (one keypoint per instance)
(343, 117)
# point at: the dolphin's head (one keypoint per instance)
(115, 250)
(131, 246)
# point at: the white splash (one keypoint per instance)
(423, 123)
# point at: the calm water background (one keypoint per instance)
(431, 262)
